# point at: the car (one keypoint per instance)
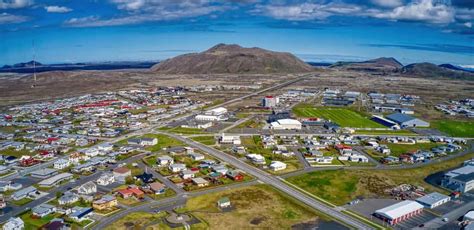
(445, 219)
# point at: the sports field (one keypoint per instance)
(341, 116)
(455, 128)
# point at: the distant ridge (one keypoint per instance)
(383, 64)
(431, 70)
(233, 58)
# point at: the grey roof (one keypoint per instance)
(432, 198)
(400, 117)
(465, 177)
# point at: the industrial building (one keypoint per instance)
(398, 212)
(405, 121)
(460, 179)
(270, 101)
(286, 124)
(433, 200)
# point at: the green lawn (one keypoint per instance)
(164, 141)
(341, 116)
(181, 130)
(403, 132)
(207, 140)
(18, 154)
(455, 128)
(398, 149)
(36, 223)
(21, 202)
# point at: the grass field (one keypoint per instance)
(341, 116)
(252, 124)
(341, 186)
(181, 130)
(455, 128)
(163, 142)
(386, 132)
(398, 149)
(207, 140)
(36, 223)
(254, 207)
(137, 219)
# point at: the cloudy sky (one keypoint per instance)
(439, 31)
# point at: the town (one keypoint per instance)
(83, 161)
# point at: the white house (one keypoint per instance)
(196, 156)
(324, 160)
(87, 188)
(229, 139)
(164, 160)
(14, 223)
(256, 158)
(143, 141)
(177, 167)
(277, 166)
(106, 179)
(61, 164)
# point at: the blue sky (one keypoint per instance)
(438, 31)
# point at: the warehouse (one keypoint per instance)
(433, 200)
(286, 124)
(405, 120)
(398, 212)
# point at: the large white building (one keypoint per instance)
(229, 139)
(270, 101)
(286, 124)
(217, 114)
(433, 200)
(398, 212)
(277, 166)
(217, 111)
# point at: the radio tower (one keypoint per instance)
(34, 65)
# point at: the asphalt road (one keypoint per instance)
(273, 181)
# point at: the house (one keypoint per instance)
(384, 149)
(43, 210)
(324, 160)
(256, 158)
(121, 173)
(196, 156)
(9, 185)
(104, 203)
(157, 187)
(87, 188)
(56, 224)
(200, 182)
(54, 180)
(164, 160)
(24, 193)
(80, 213)
(223, 202)
(106, 179)
(146, 177)
(68, 198)
(226, 139)
(187, 174)
(433, 200)
(143, 141)
(277, 166)
(234, 175)
(131, 192)
(405, 121)
(14, 223)
(398, 212)
(44, 173)
(358, 158)
(177, 167)
(61, 164)
(221, 169)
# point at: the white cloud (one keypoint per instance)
(422, 10)
(10, 18)
(468, 24)
(15, 4)
(387, 3)
(57, 9)
(306, 11)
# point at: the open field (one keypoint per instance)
(163, 142)
(398, 149)
(181, 130)
(137, 219)
(342, 116)
(341, 186)
(207, 140)
(455, 128)
(254, 207)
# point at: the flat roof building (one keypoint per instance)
(405, 120)
(55, 180)
(433, 200)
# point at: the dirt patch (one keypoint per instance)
(258, 220)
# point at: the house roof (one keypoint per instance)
(121, 170)
(399, 209)
(156, 186)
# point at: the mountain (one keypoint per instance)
(454, 67)
(26, 64)
(382, 64)
(426, 69)
(224, 58)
